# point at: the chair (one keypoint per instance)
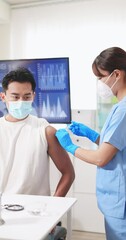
(59, 234)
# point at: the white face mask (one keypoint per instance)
(104, 91)
(20, 109)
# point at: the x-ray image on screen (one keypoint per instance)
(52, 100)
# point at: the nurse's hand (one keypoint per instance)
(65, 141)
(80, 129)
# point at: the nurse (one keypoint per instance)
(110, 157)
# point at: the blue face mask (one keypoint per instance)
(19, 109)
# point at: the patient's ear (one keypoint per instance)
(2, 96)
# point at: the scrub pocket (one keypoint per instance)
(109, 187)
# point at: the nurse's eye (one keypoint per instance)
(99, 78)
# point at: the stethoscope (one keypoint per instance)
(12, 207)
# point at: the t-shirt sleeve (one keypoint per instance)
(116, 130)
(44, 122)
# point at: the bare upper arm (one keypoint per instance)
(59, 156)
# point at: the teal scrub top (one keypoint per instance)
(111, 179)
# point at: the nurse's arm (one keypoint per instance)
(99, 157)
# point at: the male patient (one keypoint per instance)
(27, 142)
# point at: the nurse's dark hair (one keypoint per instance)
(21, 75)
(109, 60)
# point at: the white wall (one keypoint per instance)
(4, 41)
(4, 12)
(79, 30)
(4, 30)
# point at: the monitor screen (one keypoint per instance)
(52, 99)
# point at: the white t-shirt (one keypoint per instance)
(24, 162)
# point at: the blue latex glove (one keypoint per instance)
(80, 129)
(65, 141)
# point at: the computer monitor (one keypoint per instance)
(52, 100)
